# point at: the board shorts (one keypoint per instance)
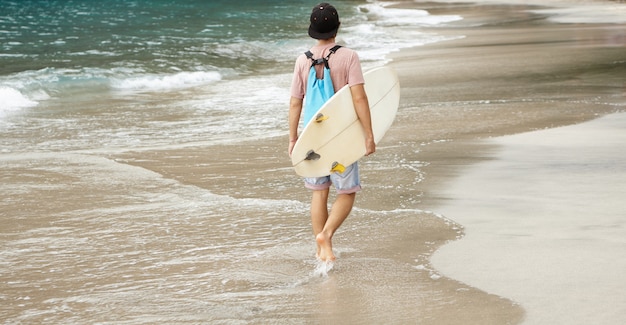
(347, 182)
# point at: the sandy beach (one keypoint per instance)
(542, 240)
(544, 221)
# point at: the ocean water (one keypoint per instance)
(89, 237)
(85, 59)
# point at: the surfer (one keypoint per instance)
(345, 69)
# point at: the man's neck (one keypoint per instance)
(323, 42)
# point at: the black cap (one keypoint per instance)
(324, 21)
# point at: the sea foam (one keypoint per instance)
(13, 100)
(405, 17)
(392, 28)
(164, 82)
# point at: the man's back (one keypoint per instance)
(345, 69)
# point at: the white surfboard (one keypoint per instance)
(338, 140)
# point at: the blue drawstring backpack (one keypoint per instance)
(318, 91)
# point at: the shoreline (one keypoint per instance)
(503, 79)
(508, 52)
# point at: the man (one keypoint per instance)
(345, 69)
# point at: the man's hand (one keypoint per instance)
(370, 146)
(292, 143)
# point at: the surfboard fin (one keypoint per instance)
(312, 155)
(320, 117)
(337, 168)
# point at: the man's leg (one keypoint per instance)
(338, 213)
(319, 213)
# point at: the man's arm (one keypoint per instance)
(362, 108)
(295, 109)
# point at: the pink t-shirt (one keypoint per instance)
(345, 69)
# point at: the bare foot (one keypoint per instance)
(318, 251)
(325, 247)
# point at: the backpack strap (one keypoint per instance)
(322, 60)
(333, 50)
